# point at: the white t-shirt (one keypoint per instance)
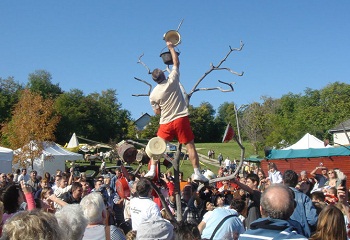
(227, 162)
(142, 209)
(168, 96)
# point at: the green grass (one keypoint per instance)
(230, 149)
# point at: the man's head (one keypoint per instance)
(290, 178)
(2, 177)
(252, 181)
(94, 208)
(277, 202)
(143, 187)
(98, 185)
(63, 182)
(33, 174)
(158, 75)
(24, 171)
(77, 190)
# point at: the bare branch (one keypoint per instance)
(212, 68)
(144, 94)
(140, 62)
(218, 88)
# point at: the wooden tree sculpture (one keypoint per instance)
(188, 96)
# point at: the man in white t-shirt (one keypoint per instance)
(142, 208)
(227, 164)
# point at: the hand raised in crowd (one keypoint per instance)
(25, 187)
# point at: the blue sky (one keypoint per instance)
(95, 45)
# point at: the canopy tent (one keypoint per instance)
(52, 158)
(6, 156)
(254, 158)
(73, 144)
(308, 141)
(308, 153)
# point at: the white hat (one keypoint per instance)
(156, 228)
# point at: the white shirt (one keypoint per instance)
(275, 177)
(227, 162)
(141, 210)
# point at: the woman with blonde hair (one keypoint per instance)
(32, 225)
(333, 180)
(330, 225)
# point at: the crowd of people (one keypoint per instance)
(276, 205)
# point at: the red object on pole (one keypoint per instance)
(229, 133)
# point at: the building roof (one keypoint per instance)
(341, 126)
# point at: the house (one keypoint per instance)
(341, 133)
(142, 122)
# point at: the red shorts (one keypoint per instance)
(180, 129)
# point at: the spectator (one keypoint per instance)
(227, 164)
(275, 176)
(43, 184)
(142, 208)
(220, 159)
(331, 225)
(74, 195)
(231, 225)
(33, 181)
(186, 231)
(155, 228)
(114, 179)
(24, 176)
(13, 198)
(3, 180)
(320, 178)
(333, 180)
(304, 212)
(318, 200)
(46, 204)
(16, 175)
(277, 206)
(254, 195)
(262, 180)
(72, 221)
(305, 184)
(32, 225)
(10, 178)
(95, 211)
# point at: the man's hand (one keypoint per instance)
(170, 45)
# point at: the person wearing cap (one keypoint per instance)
(167, 100)
(321, 178)
(155, 228)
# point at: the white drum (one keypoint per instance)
(155, 148)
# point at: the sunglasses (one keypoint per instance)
(330, 172)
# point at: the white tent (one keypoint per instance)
(55, 156)
(73, 142)
(306, 142)
(6, 156)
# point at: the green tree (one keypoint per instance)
(97, 116)
(151, 130)
(202, 122)
(9, 95)
(40, 82)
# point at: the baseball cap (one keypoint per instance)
(155, 228)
